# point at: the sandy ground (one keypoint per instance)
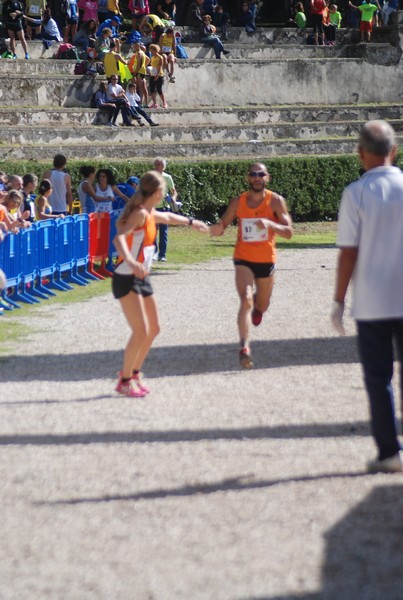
(222, 484)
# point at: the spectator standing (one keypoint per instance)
(388, 9)
(113, 8)
(139, 8)
(102, 11)
(220, 21)
(167, 201)
(195, 14)
(334, 23)
(317, 10)
(89, 11)
(367, 10)
(138, 68)
(111, 60)
(209, 6)
(106, 190)
(34, 9)
(12, 15)
(61, 196)
(70, 8)
(86, 191)
(29, 183)
(370, 245)
(42, 204)
(300, 17)
(156, 72)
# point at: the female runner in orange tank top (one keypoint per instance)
(261, 215)
(134, 241)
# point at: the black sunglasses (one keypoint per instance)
(257, 174)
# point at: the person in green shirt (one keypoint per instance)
(334, 23)
(367, 10)
(300, 17)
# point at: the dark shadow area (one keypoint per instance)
(364, 552)
(236, 484)
(180, 360)
(311, 430)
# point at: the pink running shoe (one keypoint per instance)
(140, 385)
(126, 388)
(256, 317)
(245, 358)
(153, 105)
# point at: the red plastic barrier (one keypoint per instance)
(99, 225)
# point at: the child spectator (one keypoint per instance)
(300, 17)
(334, 23)
(367, 10)
(156, 73)
(135, 106)
(138, 68)
(167, 43)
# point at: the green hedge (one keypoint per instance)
(312, 186)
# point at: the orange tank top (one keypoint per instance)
(253, 244)
(141, 245)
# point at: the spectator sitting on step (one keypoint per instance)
(29, 183)
(195, 14)
(138, 68)
(117, 95)
(49, 30)
(208, 36)
(104, 105)
(299, 16)
(220, 20)
(246, 18)
(113, 25)
(135, 107)
(209, 6)
(86, 36)
(166, 11)
(42, 204)
(106, 187)
(167, 43)
(34, 9)
(334, 24)
(103, 42)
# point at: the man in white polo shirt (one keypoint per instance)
(370, 238)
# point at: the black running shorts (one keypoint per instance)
(259, 270)
(123, 284)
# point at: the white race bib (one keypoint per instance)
(35, 9)
(148, 252)
(104, 206)
(251, 232)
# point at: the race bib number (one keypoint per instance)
(35, 10)
(104, 206)
(251, 233)
(166, 49)
(148, 252)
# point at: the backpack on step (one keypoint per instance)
(81, 68)
(67, 52)
(181, 51)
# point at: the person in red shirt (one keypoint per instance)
(317, 10)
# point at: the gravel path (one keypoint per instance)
(222, 484)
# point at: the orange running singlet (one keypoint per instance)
(253, 244)
(141, 245)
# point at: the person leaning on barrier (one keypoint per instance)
(370, 245)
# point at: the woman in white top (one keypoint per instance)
(107, 188)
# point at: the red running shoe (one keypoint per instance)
(256, 317)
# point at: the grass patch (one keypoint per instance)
(185, 247)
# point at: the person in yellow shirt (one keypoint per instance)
(156, 73)
(167, 44)
(138, 68)
(111, 60)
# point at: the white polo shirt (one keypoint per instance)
(371, 219)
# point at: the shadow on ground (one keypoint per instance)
(180, 360)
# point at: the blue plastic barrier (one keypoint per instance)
(114, 215)
(47, 266)
(81, 247)
(65, 252)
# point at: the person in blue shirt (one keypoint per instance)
(70, 8)
(113, 25)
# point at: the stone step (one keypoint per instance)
(209, 82)
(37, 67)
(215, 115)
(141, 151)
(245, 133)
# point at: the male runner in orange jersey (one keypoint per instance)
(262, 214)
